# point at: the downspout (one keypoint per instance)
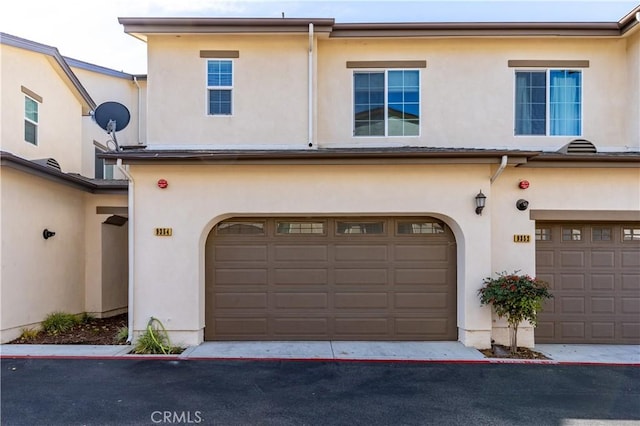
(310, 95)
(135, 81)
(125, 172)
(503, 164)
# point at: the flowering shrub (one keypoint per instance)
(516, 297)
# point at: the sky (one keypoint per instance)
(88, 30)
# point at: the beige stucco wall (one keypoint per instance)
(269, 95)
(633, 89)
(467, 90)
(59, 115)
(39, 276)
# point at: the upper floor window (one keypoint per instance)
(30, 120)
(386, 103)
(220, 86)
(548, 103)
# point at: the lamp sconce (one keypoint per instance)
(46, 234)
(480, 202)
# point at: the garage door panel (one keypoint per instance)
(545, 258)
(572, 259)
(361, 300)
(293, 253)
(300, 276)
(421, 300)
(291, 301)
(369, 253)
(597, 301)
(421, 253)
(241, 276)
(603, 282)
(331, 285)
(243, 253)
(361, 276)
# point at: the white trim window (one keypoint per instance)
(548, 102)
(386, 103)
(219, 87)
(31, 120)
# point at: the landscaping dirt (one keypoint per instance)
(500, 351)
(96, 331)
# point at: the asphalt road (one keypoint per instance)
(123, 392)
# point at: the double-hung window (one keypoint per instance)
(220, 86)
(30, 120)
(386, 103)
(548, 103)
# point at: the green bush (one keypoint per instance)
(155, 340)
(122, 335)
(29, 333)
(516, 297)
(59, 322)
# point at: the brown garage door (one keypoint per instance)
(594, 272)
(331, 278)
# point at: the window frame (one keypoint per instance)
(209, 88)
(385, 72)
(547, 125)
(36, 123)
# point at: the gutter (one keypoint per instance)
(310, 136)
(131, 205)
(135, 81)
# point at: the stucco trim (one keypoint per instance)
(31, 94)
(550, 63)
(219, 54)
(386, 64)
(585, 215)
(112, 210)
(71, 180)
(598, 160)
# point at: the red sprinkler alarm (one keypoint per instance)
(162, 183)
(524, 184)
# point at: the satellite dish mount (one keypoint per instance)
(112, 117)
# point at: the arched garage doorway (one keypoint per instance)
(373, 278)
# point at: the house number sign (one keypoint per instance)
(163, 232)
(521, 238)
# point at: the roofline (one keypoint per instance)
(140, 27)
(22, 43)
(76, 63)
(75, 181)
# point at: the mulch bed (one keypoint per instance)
(501, 351)
(96, 331)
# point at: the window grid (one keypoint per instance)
(30, 120)
(407, 228)
(343, 228)
(386, 103)
(548, 103)
(543, 234)
(601, 234)
(630, 234)
(571, 234)
(288, 228)
(240, 228)
(220, 86)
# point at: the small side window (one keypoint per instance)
(220, 86)
(31, 120)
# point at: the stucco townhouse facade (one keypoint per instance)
(302, 179)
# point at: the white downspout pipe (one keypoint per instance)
(125, 172)
(135, 81)
(310, 95)
(503, 164)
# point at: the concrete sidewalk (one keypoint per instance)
(337, 350)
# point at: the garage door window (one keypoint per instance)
(360, 228)
(240, 228)
(630, 234)
(407, 228)
(601, 234)
(543, 234)
(289, 228)
(571, 234)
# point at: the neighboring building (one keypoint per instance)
(302, 179)
(47, 182)
(321, 178)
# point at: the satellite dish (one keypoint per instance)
(112, 117)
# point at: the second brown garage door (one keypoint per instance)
(331, 278)
(594, 273)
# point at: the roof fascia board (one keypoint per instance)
(48, 173)
(54, 54)
(629, 21)
(75, 63)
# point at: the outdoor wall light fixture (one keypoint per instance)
(46, 234)
(480, 202)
